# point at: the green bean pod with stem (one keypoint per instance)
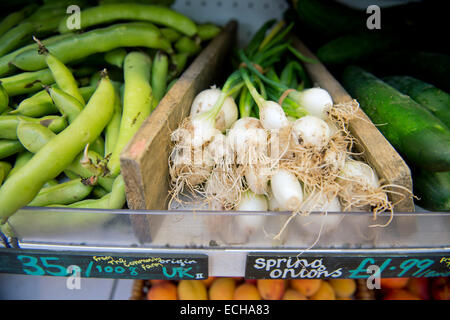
(34, 137)
(116, 199)
(57, 154)
(7, 67)
(63, 193)
(137, 102)
(133, 34)
(63, 76)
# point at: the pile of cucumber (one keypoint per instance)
(398, 74)
(414, 116)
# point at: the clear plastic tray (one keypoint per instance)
(198, 229)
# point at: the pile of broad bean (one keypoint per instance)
(72, 98)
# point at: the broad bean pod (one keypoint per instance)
(63, 193)
(137, 101)
(56, 155)
(159, 15)
(9, 124)
(27, 82)
(133, 34)
(9, 148)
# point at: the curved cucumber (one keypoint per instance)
(433, 190)
(434, 99)
(413, 131)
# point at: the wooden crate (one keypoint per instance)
(145, 160)
(377, 151)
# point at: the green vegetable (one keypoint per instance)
(207, 31)
(6, 66)
(133, 34)
(187, 45)
(14, 18)
(67, 104)
(5, 168)
(56, 155)
(414, 131)
(171, 34)
(9, 123)
(9, 148)
(11, 39)
(63, 76)
(137, 102)
(116, 199)
(116, 57)
(159, 76)
(113, 128)
(77, 167)
(435, 100)
(33, 136)
(351, 48)
(137, 12)
(431, 67)
(327, 19)
(21, 158)
(433, 190)
(63, 193)
(4, 99)
(27, 82)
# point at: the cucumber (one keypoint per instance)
(421, 138)
(431, 67)
(354, 47)
(329, 18)
(434, 99)
(433, 190)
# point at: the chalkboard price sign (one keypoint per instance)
(348, 266)
(104, 265)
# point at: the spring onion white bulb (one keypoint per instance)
(316, 101)
(361, 173)
(311, 131)
(257, 180)
(272, 115)
(273, 203)
(286, 189)
(251, 202)
(204, 102)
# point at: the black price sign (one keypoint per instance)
(104, 265)
(348, 266)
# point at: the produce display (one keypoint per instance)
(263, 137)
(268, 140)
(398, 74)
(70, 101)
(228, 288)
